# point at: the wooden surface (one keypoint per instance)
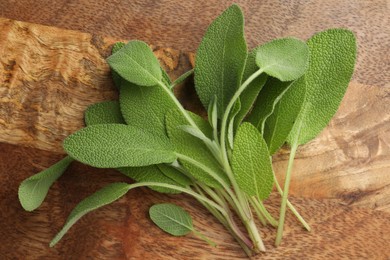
(349, 161)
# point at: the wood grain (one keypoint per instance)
(49, 76)
(123, 230)
(181, 24)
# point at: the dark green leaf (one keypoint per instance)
(107, 112)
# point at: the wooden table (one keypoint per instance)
(349, 161)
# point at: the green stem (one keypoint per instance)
(282, 216)
(291, 206)
(259, 213)
(260, 206)
(203, 237)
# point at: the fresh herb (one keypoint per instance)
(284, 91)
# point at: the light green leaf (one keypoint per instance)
(220, 59)
(150, 173)
(332, 60)
(116, 145)
(99, 199)
(269, 96)
(33, 190)
(193, 147)
(251, 163)
(285, 59)
(251, 92)
(235, 110)
(136, 63)
(281, 121)
(171, 218)
(175, 175)
(145, 107)
(107, 112)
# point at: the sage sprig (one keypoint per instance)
(284, 91)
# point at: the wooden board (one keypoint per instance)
(123, 230)
(49, 76)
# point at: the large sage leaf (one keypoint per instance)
(117, 145)
(251, 162)
(33, 190)
(285, 59)
(99, 199)
(332, 60)
(191, 146)
(136, 63)
(171, 218)
(220, 59)
(107, 112)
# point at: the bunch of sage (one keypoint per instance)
(284, 91)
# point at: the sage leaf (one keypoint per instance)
(182, 78)
(332, 60)
(107, 112)
(266, 101)
(220, 59)
(251, 162)
(115, 76)
(150, 173)
(249, 95)
(192, 147)
(285, 59)
(117, 145)
(99, 199)
(136, 63)
(285, 113)
(171, 218)
(145, 107)
(33, 190)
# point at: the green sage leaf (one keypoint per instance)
(285, 59)
(136, 63)
(182, 78)
(220, 59)
(175, 175)
(171, 218)
(115, 76)
(251, 162)
(117, 145)
(33, 190)
(97, 200)
(332, 61)
(107, 112)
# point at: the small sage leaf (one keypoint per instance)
(171, 218)
(220, 59)
(251, 162)
(136, 63)
(99, 199)
(285, 59)
(33, 190)
(107, 112)
(117, 145)
(115, 76)
(182, 78)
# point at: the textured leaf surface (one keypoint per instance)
(99, 199)
(281, 121)
(171, 218)
(150, 173)
(115, 76)
(251, 92)
(285, 59)
(193, 147)
(136, 63)
(116, 145)
(174, 174)
(32, 191)
(251, 163)
(332, 60)
(220, 59)
(145, 107)
(269, 96)
(107, 112)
